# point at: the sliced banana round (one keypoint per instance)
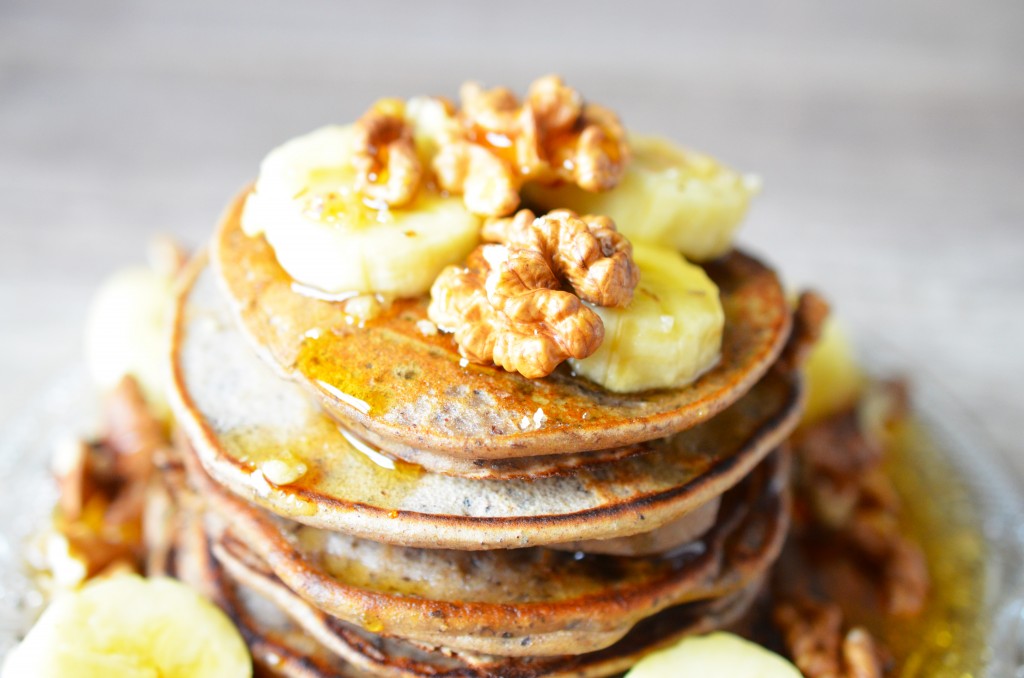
(668, 196)
(670, 333)
(130, 627)
(720, 654)
(328, 237)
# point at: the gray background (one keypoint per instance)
(890, 137)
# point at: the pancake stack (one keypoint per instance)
(366, 495)
(381, 506)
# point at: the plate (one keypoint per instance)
(69, 409)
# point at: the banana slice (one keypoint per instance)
(326, 236)
(125, 332)
(720, 654)
(129, 627)
(669, 335)
(833, 378)
(668, 197)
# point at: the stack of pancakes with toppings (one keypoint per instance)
(483, 390)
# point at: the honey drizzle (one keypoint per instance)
(318, 362)
(338, 464)
(949, 637)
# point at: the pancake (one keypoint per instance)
(291, 638)
(403, 391)
(239, 413)
(526, 602)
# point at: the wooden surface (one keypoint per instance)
(890, 137)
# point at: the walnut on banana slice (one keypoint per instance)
(508, 306)
(384, 156)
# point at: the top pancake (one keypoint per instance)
(240, 415)
(406, 392)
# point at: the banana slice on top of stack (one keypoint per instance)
(670, 333)
(331, 238)
(334, 242)
(669, 197)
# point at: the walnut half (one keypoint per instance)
(507, 306)
(552, 136)
(588, 251)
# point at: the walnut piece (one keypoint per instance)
(384, 155)
(508, 305)
(588, 251)
(105, 486)
(854, 502)
(601, 152)
(552, 136)
(899, 562)
(808, 320)
(555, 106)
(493, 111)
(487, 184)
(504, 308)
(813, 634)
(577, 142)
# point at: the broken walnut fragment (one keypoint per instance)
(508, 305)
(487, 184)
(387, 167)
(814, 637)
(107, 487)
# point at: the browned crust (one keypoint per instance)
(746, 540)
(275, 318)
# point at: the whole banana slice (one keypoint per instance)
(668, 196)
(129, 627)
(669, 334)
(720, 654)
(327, 236)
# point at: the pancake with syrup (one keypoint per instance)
(240, 415)
(405, 391)
(288, 637)
(526, 602)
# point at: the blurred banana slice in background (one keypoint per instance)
(125, 329)
(326, 235)
(833, 378)
(130, 627)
